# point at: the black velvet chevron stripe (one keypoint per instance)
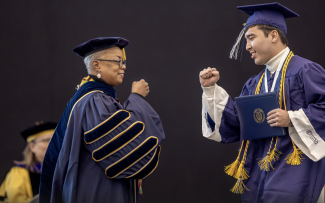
(118, 142)
(110, 123)
(150, 167)
(128, 161)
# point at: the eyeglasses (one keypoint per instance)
(120, 62)
(43, 140)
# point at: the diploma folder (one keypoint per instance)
(252, 112)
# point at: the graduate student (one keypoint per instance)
(101, 149)
(289, 168)
(21, 183)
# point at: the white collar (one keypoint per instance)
(273, 63)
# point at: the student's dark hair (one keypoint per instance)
(268, 28)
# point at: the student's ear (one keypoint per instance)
(274, 36)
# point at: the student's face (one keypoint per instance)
(39, 146)
(112, 72)
(258, 45)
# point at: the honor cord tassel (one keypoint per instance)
(295, 158)
(233, 168)
(239, 187)
(242, 174)
(275, 154)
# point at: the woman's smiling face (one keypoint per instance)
(112, 72)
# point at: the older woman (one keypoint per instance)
(22, 181)
(101, 149)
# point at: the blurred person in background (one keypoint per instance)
(21, 183)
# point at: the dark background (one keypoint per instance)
(171, 41)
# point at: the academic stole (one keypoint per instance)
(237, 169)
(84, 80)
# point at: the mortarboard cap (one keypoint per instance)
(273, 14)
(99, 44)
(37, 130)
(269, 14)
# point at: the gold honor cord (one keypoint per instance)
(295, 158)
(274, 155)
(240, 172)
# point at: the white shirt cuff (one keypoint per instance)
(209, 91)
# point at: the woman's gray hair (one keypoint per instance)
(89, 59)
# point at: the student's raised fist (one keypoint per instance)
(140, 87)
(209, 77)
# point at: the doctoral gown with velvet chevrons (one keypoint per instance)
(100, 148)
(305, 102)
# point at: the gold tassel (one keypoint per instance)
(271, 156)
(242, 172)
(233, 168)
(265, 163)
(275, 154)
(124, 55)
(239, 187)
(295, 158)
(241, 175)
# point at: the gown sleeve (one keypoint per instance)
(123, 140)
(16, 186)
(308, 132)
(220, 120)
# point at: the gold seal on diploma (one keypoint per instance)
(259, 115)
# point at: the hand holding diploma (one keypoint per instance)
(278, 118)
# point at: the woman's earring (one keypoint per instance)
(99, 75)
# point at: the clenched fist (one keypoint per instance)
(209, 77)
(140, 87)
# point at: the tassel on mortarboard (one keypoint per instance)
(124, 55)
(236, 47)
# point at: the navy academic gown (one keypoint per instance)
(100, 148)
(305, 102)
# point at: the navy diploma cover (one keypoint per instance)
(252, 113)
